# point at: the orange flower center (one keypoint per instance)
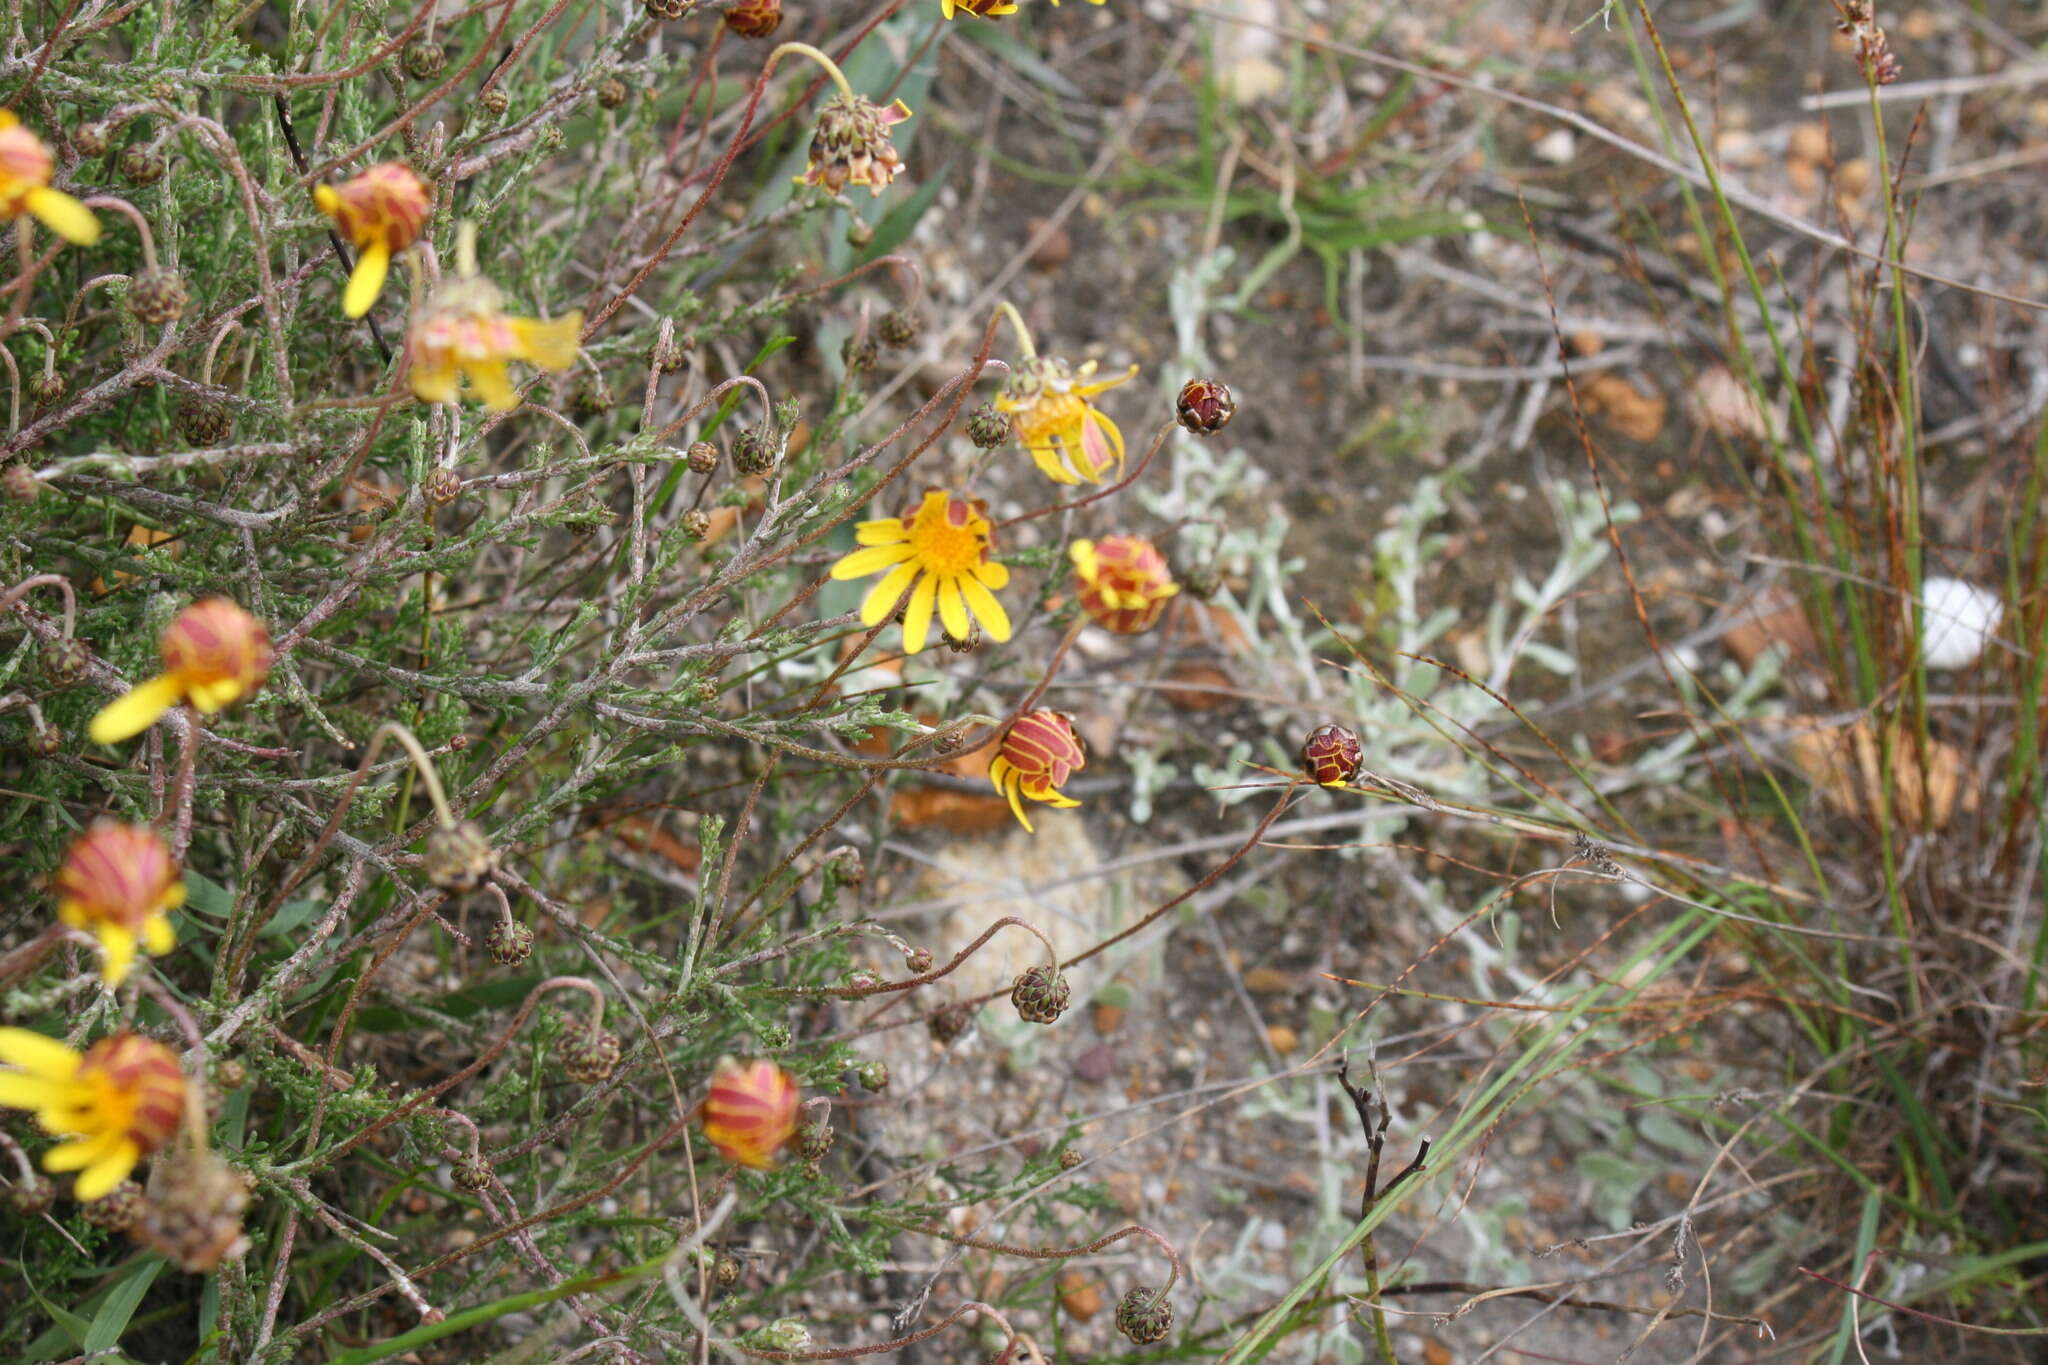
(947, 537)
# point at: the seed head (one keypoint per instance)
(31, 1196)
(494, 101)
(860, 354)
(873, 1075)
(1205, 406)
(696, 524)
(157, 296)
(20, 482)
(192, 1215)
(140, 166)
(203, 421)
(844, 862)
(118, 1210)
(950, 1024)
(1144, 1315)
(702, 457)
(425, 59)
(1040, 995)
(443, 486)
(509, 942)
(47, 388)
(65, 661)
(987, 428)
(669, 9)
(590, 1056)
(611, 94)
(899, 328)
(459, 857)
(472, 1173)
(753, 451)
(92, 139)
(814, 1140)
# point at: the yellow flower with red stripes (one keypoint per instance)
(463, 335)
(1049, 410)
(119, 883)
(981, 9)
(750, 1111)
(382, 212)
(936, 556)
(1124, 582)
(214, 653)
(118, 1101)
(1039, 752)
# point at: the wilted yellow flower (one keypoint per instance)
(120, 1100)
(214, 654)
(852, 145)
(938, 553)
(1039, 752)
(1124, 582)
(119, 883)
(750, 1111)
(382, 212)
(463, 333)
(985, 9)
(25, 169)
(1071, 441)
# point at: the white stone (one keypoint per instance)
(1957, 621)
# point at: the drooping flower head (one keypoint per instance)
(852, 144)
(750, 1111)
(25, 169)
(938, 554)
(463, 333)
(382, 212)
(982, 9)
(119, 883)
(1332, 755)
(1205, 406)
(1039, 752)
(119, 1101)
(1123, 580)
(215, 654)
(1048, 407)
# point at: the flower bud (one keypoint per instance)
(590, 1056)
(873, 1075)
(458, 857)
(844, 863)
(987, 428)
(47, 388)
(229, 1073)
(472, 1173)
(1040, 995)
(1069, 1159)
(670, 355)
(1123, 582)
(611, 94)
(19, 482)
(202, 420)
(861, 354)
(157, 296)
(726, 1271)
(753, 451)
(118, 1210)
(45, 740)
(1144, 1315)
(92, 139)
(30, 1196)
(696, 524)
(1332, 755)
(443, 486)
(669, 9)
(1205, 406)
(139, 165)
(424, 59)
(509, 942)
(754, 18)
(814, 1140)
(750, 1111)
(65, 661)
(918, 961)
(494, 101)
(702, 457)
(950, 1024)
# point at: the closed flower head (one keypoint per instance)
(1048, 407)
(215, 654)
(1123, 581)
(118, 1101)
(463, 333)
(382, 212)
(25, 169)
(937, 554)
(983, 9)
(751, 1111)
(119, 883)
(1039, 752)
(852, 144)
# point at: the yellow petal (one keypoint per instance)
(492, 384)
(44, 1058)
(18, 1090)
(887, 531)
(550, 343)
(434, 383)
(953, 611)
(157, 935)
(99, 1179)
(63, 215)
(873, 559)
(132, 714)
(1047, 457)
(1090, 389)
(885, 595)
(76, 1156)
(327, 200)
(993, 575)
(1102, 445)
(366, 281)
(174, 896)
(1010, 786)
(117, 949)
(214, 697)
(1082, 552)
(986, 609)
(72, 914)
(917, 617)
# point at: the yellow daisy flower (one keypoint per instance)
(382, 212)
(464, 333)
(215, 654)
(938, 555)
(119, 1100)
(1068, 437)
(120, 883)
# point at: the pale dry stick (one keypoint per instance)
(286, 974)
(399, 1279)
(925, 1334)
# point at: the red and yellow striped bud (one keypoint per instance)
(119, 883)
(215, 654)
(751, 1111)
(1039, 752)
(1124, 582)
(1332, 755)
(754, 18)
